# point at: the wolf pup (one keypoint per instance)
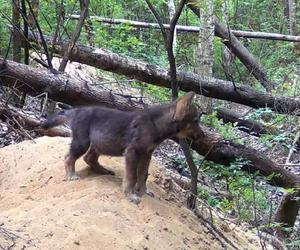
(134, 134)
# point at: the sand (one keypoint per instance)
(38, 210)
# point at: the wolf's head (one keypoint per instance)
(187, 116)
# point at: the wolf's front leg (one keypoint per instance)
(143, 168)
(129, 182)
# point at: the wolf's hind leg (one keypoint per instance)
(76, 150)
(70, 168)
(91, 158)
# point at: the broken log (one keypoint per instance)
(193, 29)
(248, 126)
(149, 73)
(287, 213)
(59, 87)
(30, 122)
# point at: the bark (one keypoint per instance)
(30, 122)
(194, 29)
(287, 213)
(35, 4)
(210, 87)
(227, 55)
(205, 49)
(248, 126)
(292, 17)
(25, 33)
(59, 87)
(16, 41)
(230, 40)
(171, 9)
(15, 95)
(285, 4)
(65, 89)
(293, 21)
(88, 25)
(266, 35)
(224, 152)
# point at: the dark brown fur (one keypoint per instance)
(98, 130)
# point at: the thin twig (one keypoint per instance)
(41, 35)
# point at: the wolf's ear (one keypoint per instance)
(183, 105)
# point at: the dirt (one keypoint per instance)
(38, 210)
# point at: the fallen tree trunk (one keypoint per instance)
(248, 126)
(62, 88)
(194, 29)
(65, 89)
(30, 122)
(234, 45)
(287, 213)
(59, 87)
(210, 87)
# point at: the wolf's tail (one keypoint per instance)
(58, 119)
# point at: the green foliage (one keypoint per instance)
(5, 11)
(239, 185)
(227, 130)
(295, 244)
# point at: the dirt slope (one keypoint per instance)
(40, 211)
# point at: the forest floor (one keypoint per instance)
(39, 210)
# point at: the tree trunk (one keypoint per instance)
(210, 87)
(16, 41)
(15, 95)
(287, 213)
(59, 87)
(248, 126)
(30, 122)
(292, 17)
(193, 29)
(205, 49)
(293, 21)
(227, 55)
(88, 25)
(171, 9)
(35, 5)
(234, 45)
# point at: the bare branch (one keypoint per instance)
(76, 34)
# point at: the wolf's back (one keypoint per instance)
(58, 119)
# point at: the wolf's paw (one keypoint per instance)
(134, 199)
(102, 171)
(109, 172)
(149, 193)
(73, 177)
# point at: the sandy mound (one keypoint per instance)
(39, 210)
